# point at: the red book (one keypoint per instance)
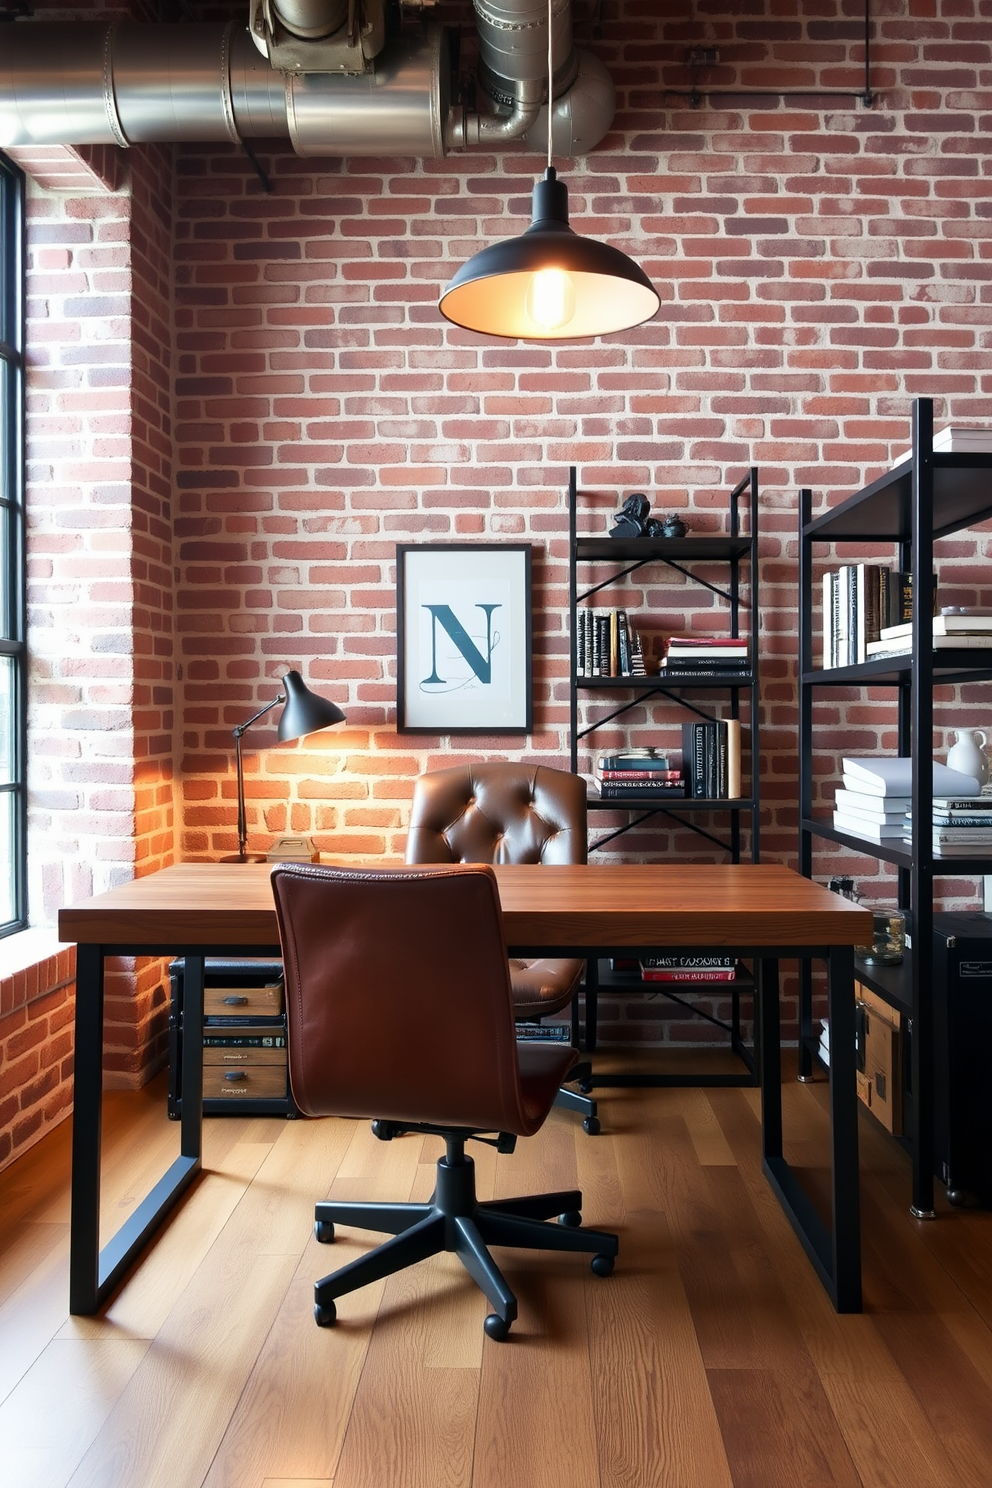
(650, 974)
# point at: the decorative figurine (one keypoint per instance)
(630, 521)
(673, 527)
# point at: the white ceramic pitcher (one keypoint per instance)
(968, 754)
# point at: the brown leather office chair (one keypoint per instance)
(511, 812)
(378, 1025)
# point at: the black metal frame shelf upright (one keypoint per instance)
(929, 495)
(626, 556)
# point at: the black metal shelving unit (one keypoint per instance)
(617, 559)
(929, 495)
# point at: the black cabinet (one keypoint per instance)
(931, 494)
(723, 567)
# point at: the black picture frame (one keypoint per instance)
(464, 635)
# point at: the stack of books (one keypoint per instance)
(688, 969)
(953, 630)
(875, 795)
(861, 601)
(639, 772)
(705, 656)
(607, 645)
(959, 440)
(711, 758)
(962, 826)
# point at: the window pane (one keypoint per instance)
(6, 617)
(6, 857)
(6, 720)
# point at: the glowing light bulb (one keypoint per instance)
(551, 299)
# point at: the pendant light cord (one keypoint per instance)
(550, 82)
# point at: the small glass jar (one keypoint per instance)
(888, 939)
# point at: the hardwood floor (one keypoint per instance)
(710, 1359)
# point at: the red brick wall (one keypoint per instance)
(820, 264)
(36, 1009)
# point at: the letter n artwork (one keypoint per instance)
(463, 622)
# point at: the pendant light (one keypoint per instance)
(549, 284)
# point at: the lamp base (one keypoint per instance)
(248, 858)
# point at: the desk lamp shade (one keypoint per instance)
(549, 283)
(305, 712)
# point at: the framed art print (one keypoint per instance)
(463, 625)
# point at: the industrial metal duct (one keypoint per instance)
(129, 84)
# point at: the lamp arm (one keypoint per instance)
(238, 731)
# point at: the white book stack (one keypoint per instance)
(959, 440)
(873, 802)
(953, 630)
(962, 826)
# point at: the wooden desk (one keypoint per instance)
(762, 911)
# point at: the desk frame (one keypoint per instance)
(833, 1249)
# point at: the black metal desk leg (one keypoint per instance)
(592, 999)
(845, 1178)
(769, 1044)
(191, 1115)
(84, 1221)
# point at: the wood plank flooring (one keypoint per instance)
(710, 1359)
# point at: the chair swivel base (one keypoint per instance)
(455, 1220)
(573, 1100)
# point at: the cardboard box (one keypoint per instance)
(880, 1058)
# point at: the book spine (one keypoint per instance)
(826, 660)
(720, 730)
(699, 759)
(688, 963)
(709, 760)
(733, 758)
(614, 621)
(623, 642)
(658, 775)
(603, 626)
(835, 610)
(688, 976)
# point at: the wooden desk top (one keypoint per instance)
(626, 904)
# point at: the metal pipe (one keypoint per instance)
(129, 84)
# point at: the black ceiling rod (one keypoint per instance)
(266, 183)
(867, 97)
(699, 57)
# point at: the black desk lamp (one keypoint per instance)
(305, 712)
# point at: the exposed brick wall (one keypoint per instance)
(36, 1008)
(820, 264)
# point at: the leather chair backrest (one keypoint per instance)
(398, 999)
(498, 812)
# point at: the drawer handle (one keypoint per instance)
(235, 1000)
(234, 1075)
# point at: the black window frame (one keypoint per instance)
(13, 624)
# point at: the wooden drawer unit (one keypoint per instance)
(880, 1058)
(243, 1035)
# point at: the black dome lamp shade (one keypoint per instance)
(305, 712)
(549, 284)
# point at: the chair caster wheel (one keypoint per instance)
(384, 1130)
(585, 1086)
(496, 1327)
(571, 1219)
(602, 1265)
(325, 1314)
(323, 1230)
(592, 1125)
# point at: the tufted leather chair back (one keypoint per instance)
(498, 812)
(378, 1025)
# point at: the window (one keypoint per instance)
(13, 658)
